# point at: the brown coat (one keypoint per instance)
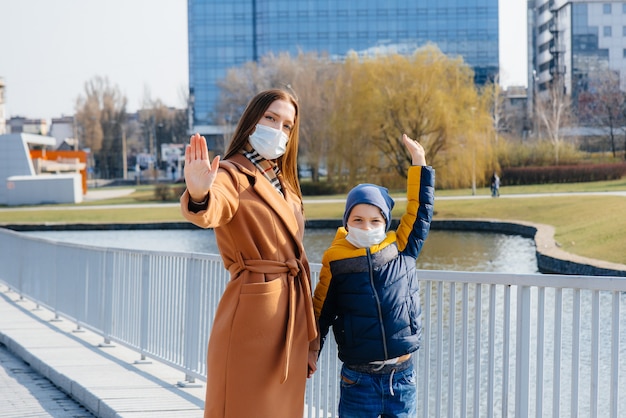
(257, 356)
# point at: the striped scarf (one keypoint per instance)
(269, 169)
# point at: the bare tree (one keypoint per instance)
(161, 125)
(236, 89)
(100, 115)
(554, 111)
(603, 104)
(494, 94)
(311, 78)
(306, 75)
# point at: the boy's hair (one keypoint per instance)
(371, 194)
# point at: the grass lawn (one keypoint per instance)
(590, 226)
(593, 226)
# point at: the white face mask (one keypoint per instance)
(270, 143)
(365, 238)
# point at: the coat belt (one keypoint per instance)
(296, 271)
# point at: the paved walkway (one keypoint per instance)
(103, 194)
(47, 369)
(25, 393)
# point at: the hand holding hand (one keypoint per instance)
(312, 362)
(418, 155)
(199, 171)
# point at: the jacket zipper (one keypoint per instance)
(380, 313)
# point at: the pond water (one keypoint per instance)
(443, 250)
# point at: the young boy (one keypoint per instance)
(369, 292)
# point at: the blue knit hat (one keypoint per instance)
(373, 195)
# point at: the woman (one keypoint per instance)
(259, 345)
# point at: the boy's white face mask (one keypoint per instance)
(365, 238)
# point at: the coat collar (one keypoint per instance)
(284, 207)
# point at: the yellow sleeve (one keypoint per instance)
(414, 176)
(321, 289)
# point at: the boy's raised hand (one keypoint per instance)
(416, 150)
(200, 172)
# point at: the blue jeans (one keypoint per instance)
(370, 395)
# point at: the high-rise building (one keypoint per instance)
(573, 40)
(225, 34)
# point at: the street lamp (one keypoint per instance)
(473, 170)
(159, 139)
(124, 156)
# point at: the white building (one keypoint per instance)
(62, 129)
(21, 183)
(573, 40)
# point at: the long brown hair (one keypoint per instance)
(288, 162)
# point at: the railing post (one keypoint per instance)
(595, 350)
(464, 347)
(478, 309)
(575, 353)
(522, 354)
(191, 335)
(439, 345)
(53, 287)
(556, 367)
(491, 351)
(426, 330)
(107, 299)
(506, 334)
(81, 283)
(451, 351)
(541, 301)
(615, 354)
(144, 308)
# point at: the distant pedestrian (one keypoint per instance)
(495, 185)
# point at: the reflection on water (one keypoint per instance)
(473, 251)
(443, 250)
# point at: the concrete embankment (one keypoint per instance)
(550, 258)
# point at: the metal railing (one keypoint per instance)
(494, 345)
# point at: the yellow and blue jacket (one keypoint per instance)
(370, 296)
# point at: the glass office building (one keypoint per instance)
(224, 34)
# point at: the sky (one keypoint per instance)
(50, 49)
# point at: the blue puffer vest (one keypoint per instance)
(372, 300)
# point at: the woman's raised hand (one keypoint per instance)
(416, 150)
(199, 171)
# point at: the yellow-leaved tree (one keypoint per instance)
(355, 110)
(430, 97)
